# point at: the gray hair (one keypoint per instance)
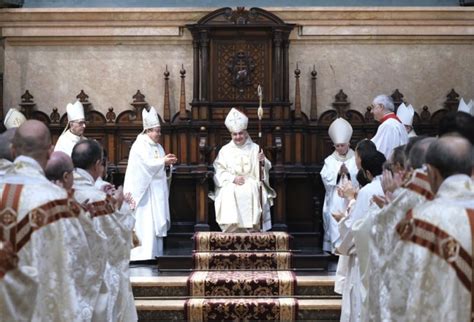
(386, 101)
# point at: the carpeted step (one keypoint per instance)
(265, 241)
(158, 310)
(312, 286)
(242, 283)
(242, 261)
(241, 309)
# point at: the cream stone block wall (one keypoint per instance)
(111, 53)
(423, 73)
(110, 75)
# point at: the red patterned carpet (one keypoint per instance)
(242, 277)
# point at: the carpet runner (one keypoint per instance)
(242, 260)
(242, 277)
(282, 309)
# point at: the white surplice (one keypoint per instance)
(146, 180)
(238, 206)
(116, 301)
(67, 141)
(332, 201)
(353, 291)
(58, 259)
(422, 284)
(390, 134)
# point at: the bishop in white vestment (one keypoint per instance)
(76, 121)
(146, 180)
(339, 167)
(237, 197)
(405, 114)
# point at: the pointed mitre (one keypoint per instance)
(340, 131)
(405, 114)
(150, 118)
(467, 108)
(75, 111)
(14, 118)
(236, 121)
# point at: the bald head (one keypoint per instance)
(59, 169)
(33, 139)
(450, 155)
(6, 139)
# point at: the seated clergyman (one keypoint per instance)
(238, 202)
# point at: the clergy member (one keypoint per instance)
(339, 167)
(431, 279)
(146, 180)
(405, 115)
(113, 220)
(50, 242)
(237, 199)
(391, 132)
(76, 124)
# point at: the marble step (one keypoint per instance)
(312, 286)
(154, 310)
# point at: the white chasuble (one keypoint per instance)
(332, 201)
(390, 134)
(55, 255)
(115, 302)
(67, 141)
(383, 239)
(146, 180)
(238, 206)
(431, 278)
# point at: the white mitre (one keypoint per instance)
(14, 118)
(340, 131)
(467, 108)
(236, 121)
(150, 118)
(405, 114)
(75, 112)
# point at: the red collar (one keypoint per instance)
(390, 116)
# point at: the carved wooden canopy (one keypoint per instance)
(234, 52)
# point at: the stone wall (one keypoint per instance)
(111, 53)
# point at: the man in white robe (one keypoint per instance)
(405, 115)
(146, 180)
(391, 132)
(113, 220)
(432, 278)
(381, 224)
(353, 292)
(237, 197)
(338, 168)
(56, 273)
(77, 124)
